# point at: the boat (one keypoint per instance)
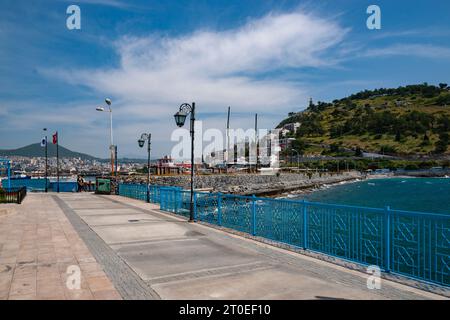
(20, 177)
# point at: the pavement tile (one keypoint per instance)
(99, 283)
(82, 294)
(23, 287)
(23, 297)
(106, 295)
(36, 248)
(50, 291)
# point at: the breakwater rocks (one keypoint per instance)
(248, 184)
(430, 173)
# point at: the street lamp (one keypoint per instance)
(46, 160)
(141, 142)
(180, 118)
(111, 147)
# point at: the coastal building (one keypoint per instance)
(285, 143)
(291, 127)
(165, 166)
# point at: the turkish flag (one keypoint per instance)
(55, 138)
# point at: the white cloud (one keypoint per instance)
(217, 69)
(3, 110)
(416, 50)
(109, 3)
(244, 68)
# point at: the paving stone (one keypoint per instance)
(37, 244)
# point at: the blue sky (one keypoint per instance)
(150, 56)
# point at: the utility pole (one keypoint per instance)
(228, 141)
(57, 161)
(115, 161)
(256, 141)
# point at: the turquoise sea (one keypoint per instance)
(414, 194)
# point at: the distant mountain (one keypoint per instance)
(35, 150)
(410, 120)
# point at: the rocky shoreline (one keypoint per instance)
(257, 184)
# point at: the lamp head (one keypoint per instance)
(141, 142)
(100, 109)
(180, 118)
(108, 101)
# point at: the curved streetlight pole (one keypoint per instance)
(180, 118)
(111, 147)
(141, 141)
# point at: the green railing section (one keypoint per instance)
(13, 195)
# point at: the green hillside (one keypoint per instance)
(35, 150)
(411, 120)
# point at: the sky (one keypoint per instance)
(257, 56)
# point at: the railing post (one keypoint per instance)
(387, 238)
(195, 206)
(219, 209)
(162, 195)
(253, 215)
(176, 199)
(305, 225)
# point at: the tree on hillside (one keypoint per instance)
(442, 143)
(442, 124)
(358, 152)
(443, 100)
(425, 140)
(398, 136)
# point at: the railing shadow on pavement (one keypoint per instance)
(412, 244)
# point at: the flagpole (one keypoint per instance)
(46, 161)
(46, 164)
(57, 161)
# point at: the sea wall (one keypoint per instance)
(253, 183)
(428, 173)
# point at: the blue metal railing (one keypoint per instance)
(413, 244)
(139, 191)
(39, 185)
(30, 184)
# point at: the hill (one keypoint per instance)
(35, 150)
(405, 121)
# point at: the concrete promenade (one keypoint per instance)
(129, 249)
(37, 245)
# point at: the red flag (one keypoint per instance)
(55, 138)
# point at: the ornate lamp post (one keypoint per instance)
(180, 118)
(141, 142)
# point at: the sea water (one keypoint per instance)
(412, 194)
